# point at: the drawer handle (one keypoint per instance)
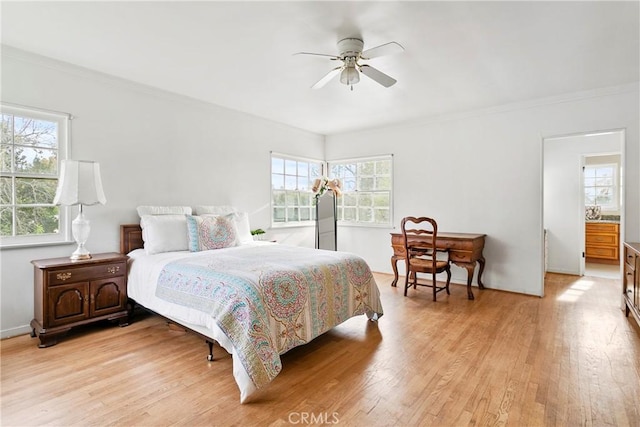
(63, 276)
(113, 270)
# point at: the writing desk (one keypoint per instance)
(465, 249)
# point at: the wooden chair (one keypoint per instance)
(419, 235)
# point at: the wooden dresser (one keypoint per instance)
(602, 242)
(73, 293)
(631, 280)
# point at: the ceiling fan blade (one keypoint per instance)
(323, 81)
(317, 54)
(382, 50)
(378, 76)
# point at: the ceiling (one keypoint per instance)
(459, 56)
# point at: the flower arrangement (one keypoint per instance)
(323, 184)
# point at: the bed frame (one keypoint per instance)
(131, 239)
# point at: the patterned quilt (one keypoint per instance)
(269, 299)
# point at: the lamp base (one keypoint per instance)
(80, 228)
(80, 253)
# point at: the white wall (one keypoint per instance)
(153, 148)
(563, 204)
(482, 172)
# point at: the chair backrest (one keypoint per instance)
(419, 235)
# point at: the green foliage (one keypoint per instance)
(29, 163)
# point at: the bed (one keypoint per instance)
(257, 300)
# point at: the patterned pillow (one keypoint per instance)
(211, 232)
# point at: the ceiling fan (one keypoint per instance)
(351, 54)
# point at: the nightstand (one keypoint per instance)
(73, 293)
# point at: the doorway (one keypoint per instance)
(564, 197)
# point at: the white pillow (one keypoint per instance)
(164, 233)
(215, 210)
(164, 210)
(243, 228)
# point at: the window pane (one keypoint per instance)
(305, 214)
(315, 170)
(382, 216)
(383, 167)
(290, 182)
(290, 167)
(279, 198)
(277, 181)
(292, 198)
(292, 214)
(349, 214)
(381, 200)
(7, 129)
(5, 191)
(6, 221)
(589, 196)
(365, 214)
(604, 181)
(41, 133)
(277, 165)
(366, 184)
(349, 184)
(349, 199)
(366, 168)
(35, 160)
(278, 214)
(589, 182)
(365, 199)
(305, 199)
(305, 184)
(383, 183)
(35, 191)
(5, 158)
(39, 220)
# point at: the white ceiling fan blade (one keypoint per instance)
(382, 50)
(378, 76)
(317, 54)
(323, 81)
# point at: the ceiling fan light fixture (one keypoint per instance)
(349, 76)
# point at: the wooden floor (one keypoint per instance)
(568, 359)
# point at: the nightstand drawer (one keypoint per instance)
(79, 274)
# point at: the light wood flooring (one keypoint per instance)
(568, 359)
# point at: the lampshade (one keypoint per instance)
(79, 184)
(349, 76)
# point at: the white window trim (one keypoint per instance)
(392, 191)
(297, 224)
(64, 137)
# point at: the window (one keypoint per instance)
(367, 190)
(31, 147)
(292, 201)
(600, 185)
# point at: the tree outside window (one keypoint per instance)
(367, 190)
(292, 201)
(31, 146)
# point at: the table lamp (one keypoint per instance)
(80, 184)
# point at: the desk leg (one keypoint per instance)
(470, 267)
(481, 262)
(394, 266)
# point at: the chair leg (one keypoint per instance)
(406, 283)
(433, 282)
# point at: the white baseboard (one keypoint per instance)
(13, 332)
